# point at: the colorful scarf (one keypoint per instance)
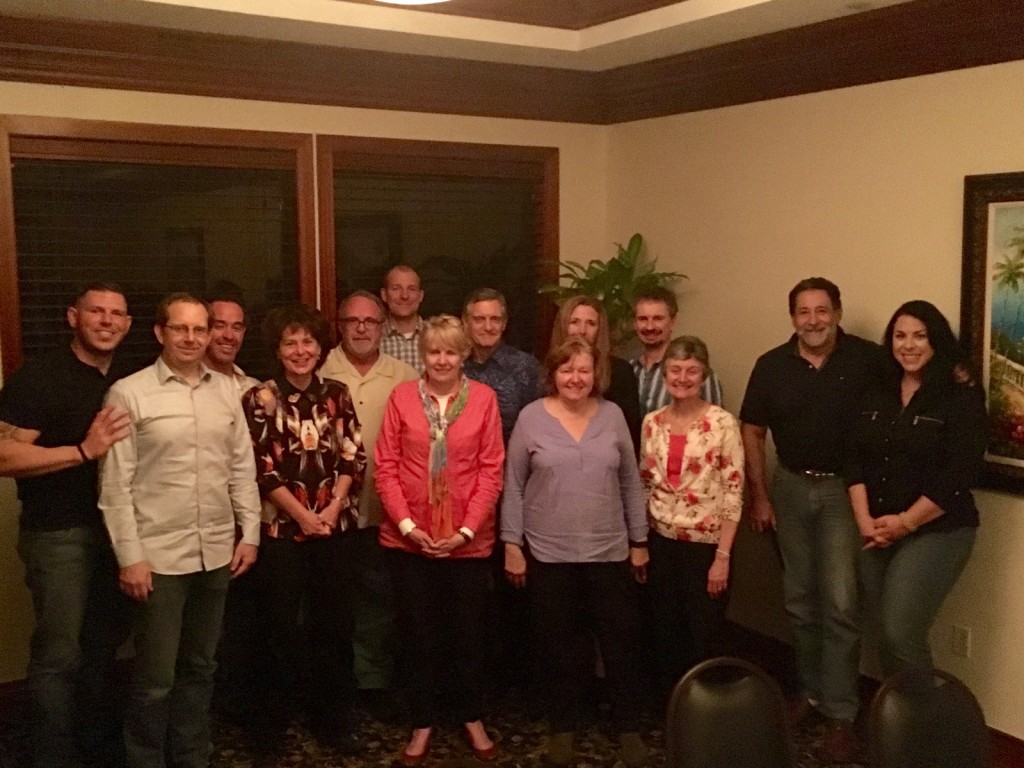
(438, 492)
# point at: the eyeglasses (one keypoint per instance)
(220, 325)
(184, 330)
(365, 322)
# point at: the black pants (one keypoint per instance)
(308, 582)
(567, 600)
(689, 624)
(443, 608)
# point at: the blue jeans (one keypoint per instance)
(80, 620)
(176, 638)
(905, 585)
(820, 543)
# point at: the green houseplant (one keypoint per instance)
(613, 283)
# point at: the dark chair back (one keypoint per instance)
(727, 713)
(926, 719)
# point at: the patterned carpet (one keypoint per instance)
(382, 732)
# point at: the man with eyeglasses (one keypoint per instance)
(370, 375)
(171, 495)
(227, 332)
(52, 433)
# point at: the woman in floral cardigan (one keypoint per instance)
(691, 463)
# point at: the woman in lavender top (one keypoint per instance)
(574, 526)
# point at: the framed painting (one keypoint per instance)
(992, 315)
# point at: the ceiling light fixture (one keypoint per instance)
(412, 2)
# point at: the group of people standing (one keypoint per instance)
(385, 484)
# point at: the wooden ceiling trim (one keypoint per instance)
(916, 38)
(572, 14)
(908, 40)
(137, 58)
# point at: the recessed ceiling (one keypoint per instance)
(588, 35)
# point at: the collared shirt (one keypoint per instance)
(304, 441)
(57, 395)
(653, 394)
(405, 347)
(370, 396)
(709, 488)
(514, 376)
(173, 490)
(933, 447)
(243, 382)
(808, 409)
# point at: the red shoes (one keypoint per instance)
(411, 761)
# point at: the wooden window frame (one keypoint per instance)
(71, 139)
(538, 164)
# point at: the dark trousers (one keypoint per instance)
(443, 607)
(81, 618)
(306, 597)
(567, 600)
(690, 625)
(176, 638)
(373, 641)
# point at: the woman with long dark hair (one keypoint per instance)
(919, 440)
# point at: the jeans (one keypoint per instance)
(80, 620)
(905, 584)
(176, 636)
(820, 544)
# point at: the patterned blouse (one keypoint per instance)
(709, 486)
(304, 441)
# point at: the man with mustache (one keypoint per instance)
(370, 375)
(804, 392)
(654, 315)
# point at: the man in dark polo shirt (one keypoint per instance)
(805, 391)
(52, 432)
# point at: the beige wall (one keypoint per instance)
(865, 186)
(862, 185)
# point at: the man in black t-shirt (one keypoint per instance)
(805, 391)
(52, 430)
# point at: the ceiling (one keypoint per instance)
(585, 35)
(579, 61)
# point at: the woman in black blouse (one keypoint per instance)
(919, 440)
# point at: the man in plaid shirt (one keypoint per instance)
(654, 314)
(403, 295)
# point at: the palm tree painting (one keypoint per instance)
(1006, 350)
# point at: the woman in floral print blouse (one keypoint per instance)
(310, 464)
(691, 464)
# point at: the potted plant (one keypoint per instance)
(613, 283)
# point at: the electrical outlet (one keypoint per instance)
(961, 641)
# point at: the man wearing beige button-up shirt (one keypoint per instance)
(171, 496)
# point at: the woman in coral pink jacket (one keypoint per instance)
(439, 462)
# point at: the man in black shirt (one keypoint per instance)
(52, 432)
(805, 392)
